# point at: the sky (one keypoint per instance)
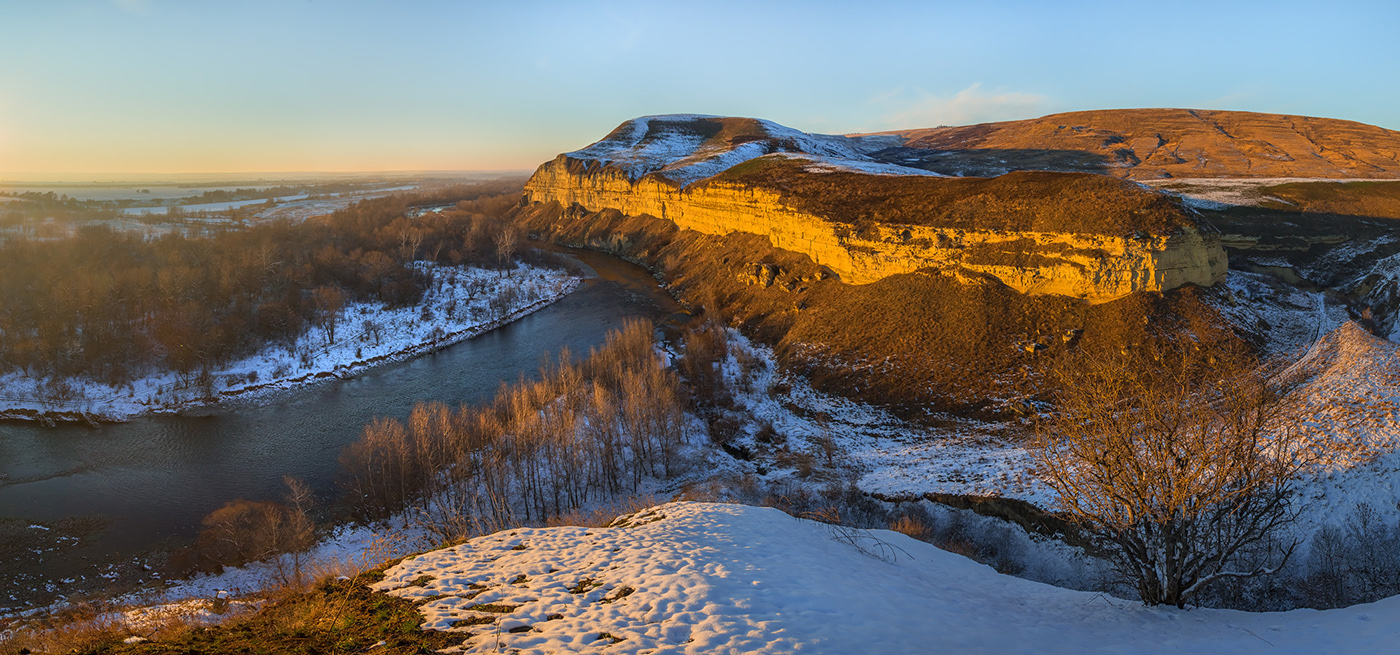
(189, 86)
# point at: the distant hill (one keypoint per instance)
(1156, 143)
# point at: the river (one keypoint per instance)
(151, 480)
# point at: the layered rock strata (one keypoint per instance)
(1093, 267)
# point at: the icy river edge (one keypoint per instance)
(462, 303)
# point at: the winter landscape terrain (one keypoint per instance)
(706, 578)
(793, 513)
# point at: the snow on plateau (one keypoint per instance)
(670, 145)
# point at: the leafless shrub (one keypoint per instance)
(244, 531)
(1177, 460)
(1357, 562)
(706, 348)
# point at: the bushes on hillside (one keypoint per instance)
(1180, 461)
(1356, 562)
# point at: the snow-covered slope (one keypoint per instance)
(1348, 405)
(689, 147)
(710, 578)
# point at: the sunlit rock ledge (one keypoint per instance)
(1093, 267)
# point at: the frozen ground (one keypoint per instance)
(711, 578)
(299, 210)
(461, 303)
(208, 206)
(1287, 319)
(889, 455)
(1219, 193)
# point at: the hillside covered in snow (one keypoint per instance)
(715, 578)
(685, 148)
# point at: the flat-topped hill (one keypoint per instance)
(1028, 201)
(1157, 143)
(1083, 236)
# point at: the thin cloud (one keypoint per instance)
(970, 105)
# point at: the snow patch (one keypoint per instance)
(671, 146)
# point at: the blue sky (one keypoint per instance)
(193, 86)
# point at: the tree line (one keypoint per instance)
(586, 431)
(112, 306)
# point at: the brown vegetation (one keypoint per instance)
(1178, 459)
(584, 432)
(1373, 199)
(1021, 202)
(1153, 143)
(112, 306)
(335, 616)
(244, 531)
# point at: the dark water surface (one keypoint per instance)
(153, 479)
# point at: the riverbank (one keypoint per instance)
(460, 303)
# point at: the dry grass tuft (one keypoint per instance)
(911, 526)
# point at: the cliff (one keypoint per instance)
(1080, 236)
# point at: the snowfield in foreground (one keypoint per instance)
(713, 578)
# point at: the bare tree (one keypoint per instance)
(329, 301)
(507, 241)
(245, 531)
(299, 532)
(1177, 460)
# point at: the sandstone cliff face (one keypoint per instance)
(1093, 267)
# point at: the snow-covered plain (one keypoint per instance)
(207, 207)
(460, 304)
(715, 578)
(1221, 192)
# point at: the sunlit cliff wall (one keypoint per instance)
(1097, 268)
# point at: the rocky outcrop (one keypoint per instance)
(1094, 265)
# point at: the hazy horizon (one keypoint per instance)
(87, 178)
(150, 87)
